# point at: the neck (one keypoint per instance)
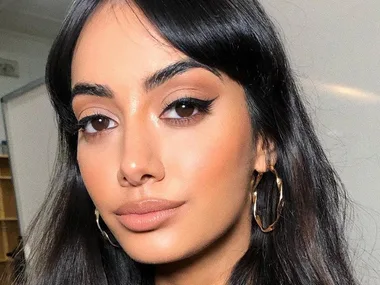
(213, 265)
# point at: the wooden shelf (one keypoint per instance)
(3, 177)
(9, 219)
(9, 228)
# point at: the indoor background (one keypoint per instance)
(334, 49)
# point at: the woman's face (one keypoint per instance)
(165, 149)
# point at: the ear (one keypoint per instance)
(265, 156)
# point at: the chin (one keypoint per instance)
(159, 253)
(148, 250)
(155, 257)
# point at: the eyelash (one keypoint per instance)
(202, 106)
(82, 123)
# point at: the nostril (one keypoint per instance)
(146, 177)
(130, 181)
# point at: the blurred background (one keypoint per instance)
(334, 50)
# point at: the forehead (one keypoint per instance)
(119, 43)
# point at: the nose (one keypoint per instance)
(140, 160)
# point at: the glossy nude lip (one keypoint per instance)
(147, 215)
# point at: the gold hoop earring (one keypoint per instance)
(280, 205)
(104, 234)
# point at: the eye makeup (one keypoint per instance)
(186, 110)
(183, 112)
(94, 125)
(97, 122)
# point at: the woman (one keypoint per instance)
(186, 155)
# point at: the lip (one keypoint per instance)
(147, 215)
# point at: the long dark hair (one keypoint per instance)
(237, 38)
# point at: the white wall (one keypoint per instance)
(33, 141)
(31, 54)
(334, 48)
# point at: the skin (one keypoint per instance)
(206, 162)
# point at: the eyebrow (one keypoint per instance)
(153, 81)
(163, 75)
(91, 89)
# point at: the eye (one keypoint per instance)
(186, 107)
(96, 123)
(182, 110)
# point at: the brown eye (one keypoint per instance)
(184, 110)
(100, 124)
(96, 123)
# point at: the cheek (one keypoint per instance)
(214, 164)
(217, 152)
(98, 169)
